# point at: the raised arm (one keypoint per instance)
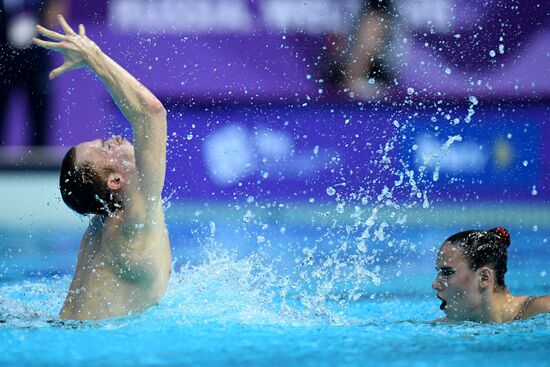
(142, 109)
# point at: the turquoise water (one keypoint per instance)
(247, 294)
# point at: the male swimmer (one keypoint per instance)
(124, 260)
(470, 280)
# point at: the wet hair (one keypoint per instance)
(485, 248)
(83, 187)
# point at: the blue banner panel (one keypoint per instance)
(311, 152)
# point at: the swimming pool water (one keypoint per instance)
(236, 299)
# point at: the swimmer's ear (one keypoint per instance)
(115, 181)
(485, 277)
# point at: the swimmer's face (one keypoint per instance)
(116, 154)
(456, 284)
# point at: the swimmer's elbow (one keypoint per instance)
(150, 107)
(155, 107)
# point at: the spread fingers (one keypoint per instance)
(66, 27)
(46, 44)
(50, 34)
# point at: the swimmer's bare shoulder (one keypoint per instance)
(539, 306)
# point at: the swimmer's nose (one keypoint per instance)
(436, 284)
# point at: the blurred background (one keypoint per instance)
(319, 153)
(384, 115)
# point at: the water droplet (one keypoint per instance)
(525, 163)
(248, 216)
(492, 53)
(425, 203)
(331, 191)
(410, 91)
(448, 71)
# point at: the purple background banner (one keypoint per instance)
(273, 48)
(297, 153)
(250, 114)
(214, 51)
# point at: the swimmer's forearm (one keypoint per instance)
(148, 118)
(135, 101)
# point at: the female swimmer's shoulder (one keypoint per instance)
(441, 320)
(540, 305)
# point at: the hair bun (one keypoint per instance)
(502, 234)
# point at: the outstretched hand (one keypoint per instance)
(75, 48)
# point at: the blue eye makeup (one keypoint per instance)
(446, 272)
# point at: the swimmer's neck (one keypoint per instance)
(499, 307)
(99, 220)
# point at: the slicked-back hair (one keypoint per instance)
(485, 248)
(84, 189)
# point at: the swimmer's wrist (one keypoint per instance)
(94, 58)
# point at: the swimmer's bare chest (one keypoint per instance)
(117, 274)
